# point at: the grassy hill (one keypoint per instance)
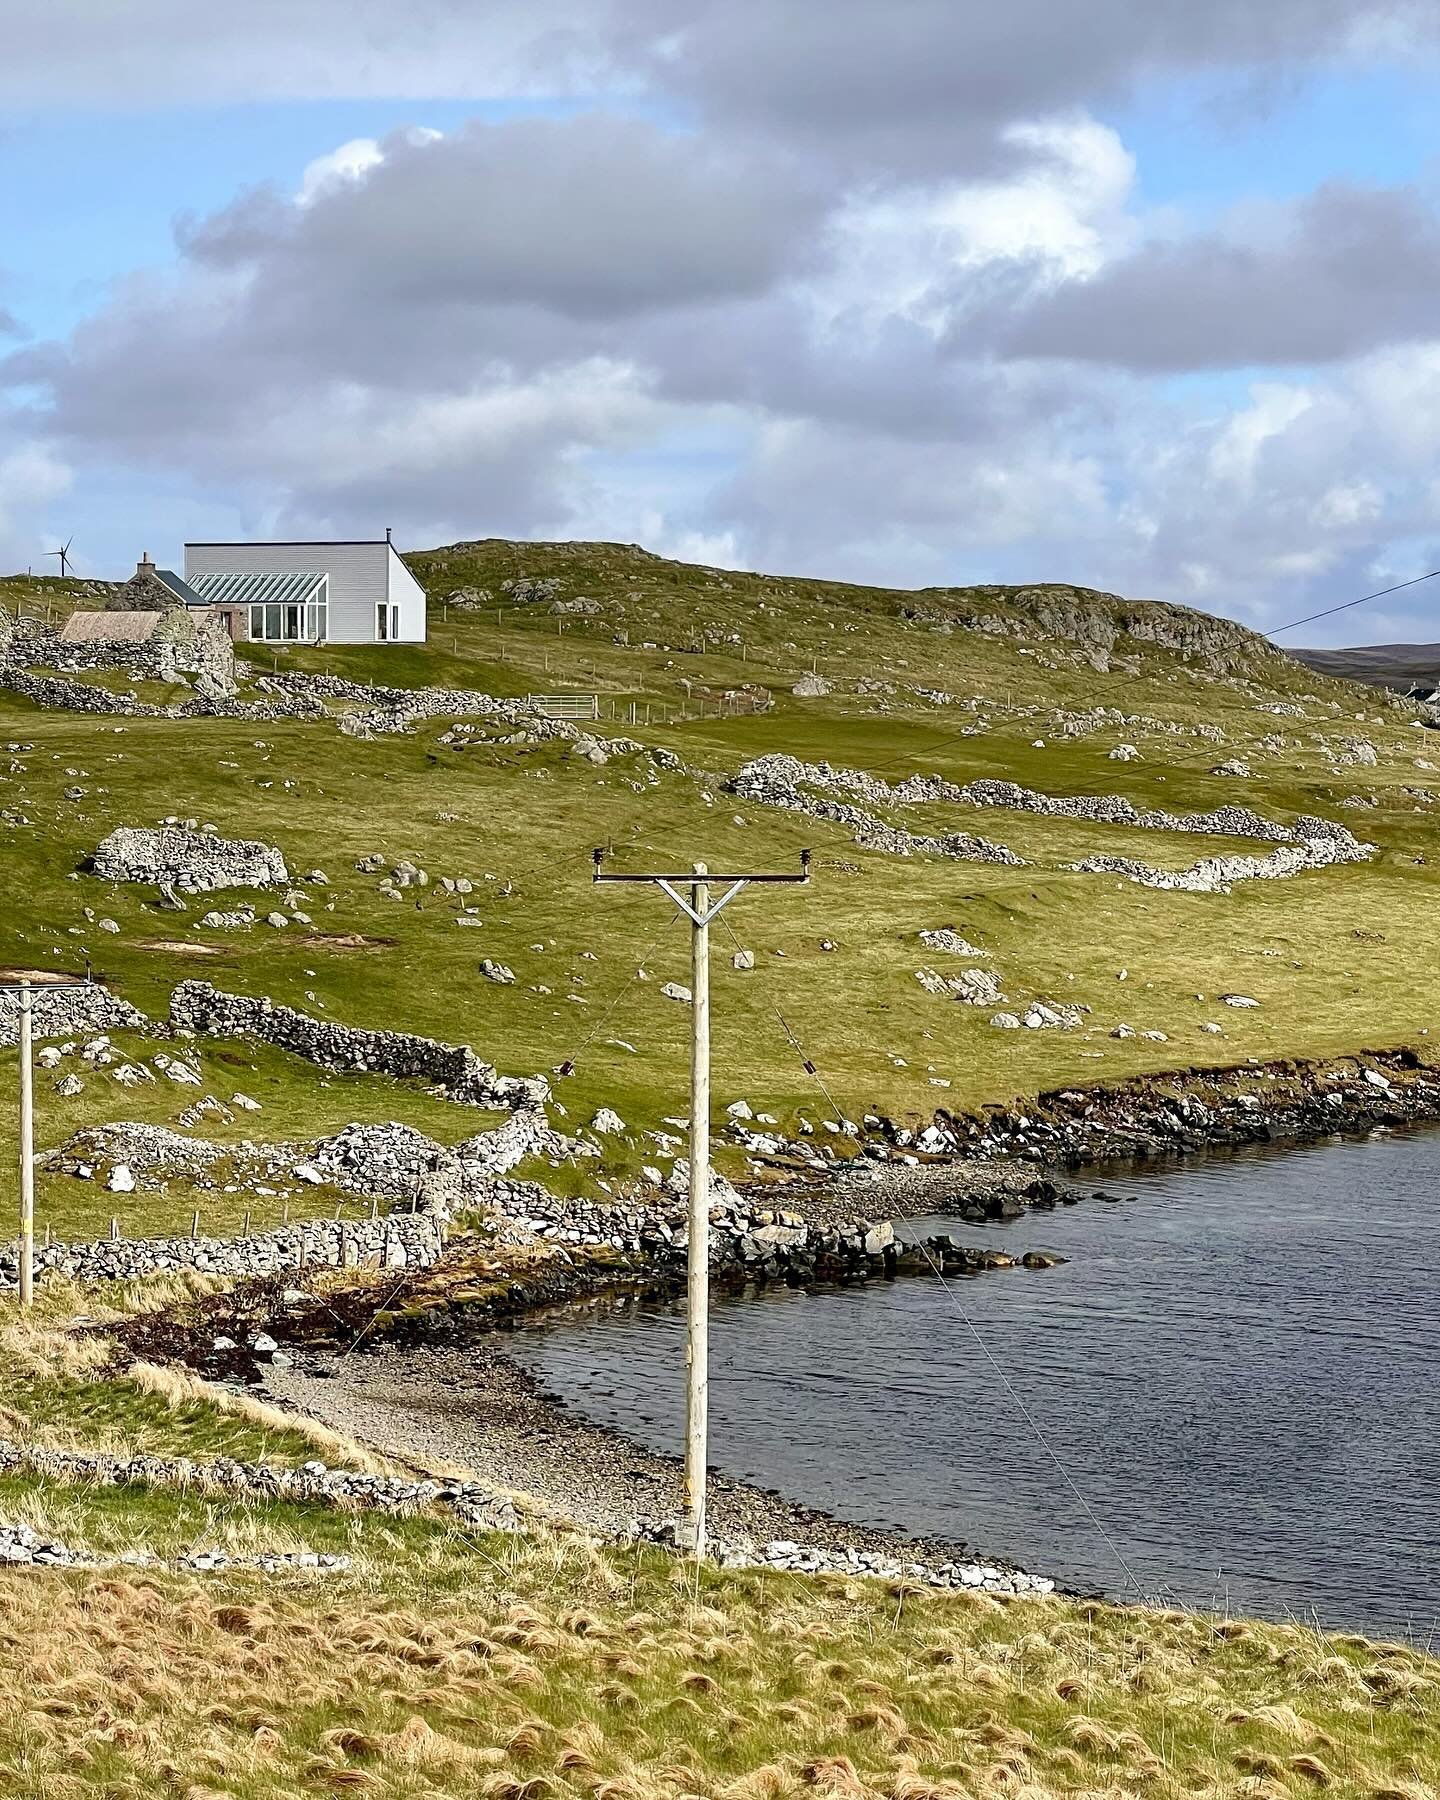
(1036, 686)
(444, 1662)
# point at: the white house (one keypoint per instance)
(331, 593)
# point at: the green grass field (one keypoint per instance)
(1338, 958)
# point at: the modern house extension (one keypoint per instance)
(350, 592)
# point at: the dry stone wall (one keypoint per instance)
(782, 780)
(312, 1482)
(199, 1007)
(402, 1241)
(69, 1012)
(788, 782)
(1216, 874)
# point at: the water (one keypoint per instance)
(1240, 1371)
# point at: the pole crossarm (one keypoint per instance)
(686, 877)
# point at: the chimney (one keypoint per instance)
(145, 566)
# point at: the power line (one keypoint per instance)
(567, 1067)
(1309, 619)
(1345, 606)
(983, 1347)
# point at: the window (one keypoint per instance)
(284, 624)
(387, 622)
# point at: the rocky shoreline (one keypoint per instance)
(432, 1380)
(479, 1407)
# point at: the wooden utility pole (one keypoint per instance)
(697, 1261)
(697, 907)
(27, 1154)
(24, 992)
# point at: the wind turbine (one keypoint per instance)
(64, 554)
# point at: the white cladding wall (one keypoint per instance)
(361, 577)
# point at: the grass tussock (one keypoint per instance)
(429, 1670)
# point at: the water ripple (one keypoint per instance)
(1237, 1370)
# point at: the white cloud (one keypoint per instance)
(1241, 439)
(906, 251)
(351, 162)
(31, 477)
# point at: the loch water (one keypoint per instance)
(1238, 1368)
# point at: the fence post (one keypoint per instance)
(195, 1223)
(114, 1228)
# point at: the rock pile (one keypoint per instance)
(949, 940)
(976, 987)
(192, 862)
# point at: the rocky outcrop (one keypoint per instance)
(196, 1006)
(192, 862)
(1102, 626)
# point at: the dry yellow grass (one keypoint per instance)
(448, 1673)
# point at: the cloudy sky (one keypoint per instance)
(1138, 293)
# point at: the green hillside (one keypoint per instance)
(964, 684)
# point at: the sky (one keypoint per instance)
(1138, 294)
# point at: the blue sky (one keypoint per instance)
(1156, 318)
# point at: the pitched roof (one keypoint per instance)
(250, 588)
(179, 587)
(109, 627)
